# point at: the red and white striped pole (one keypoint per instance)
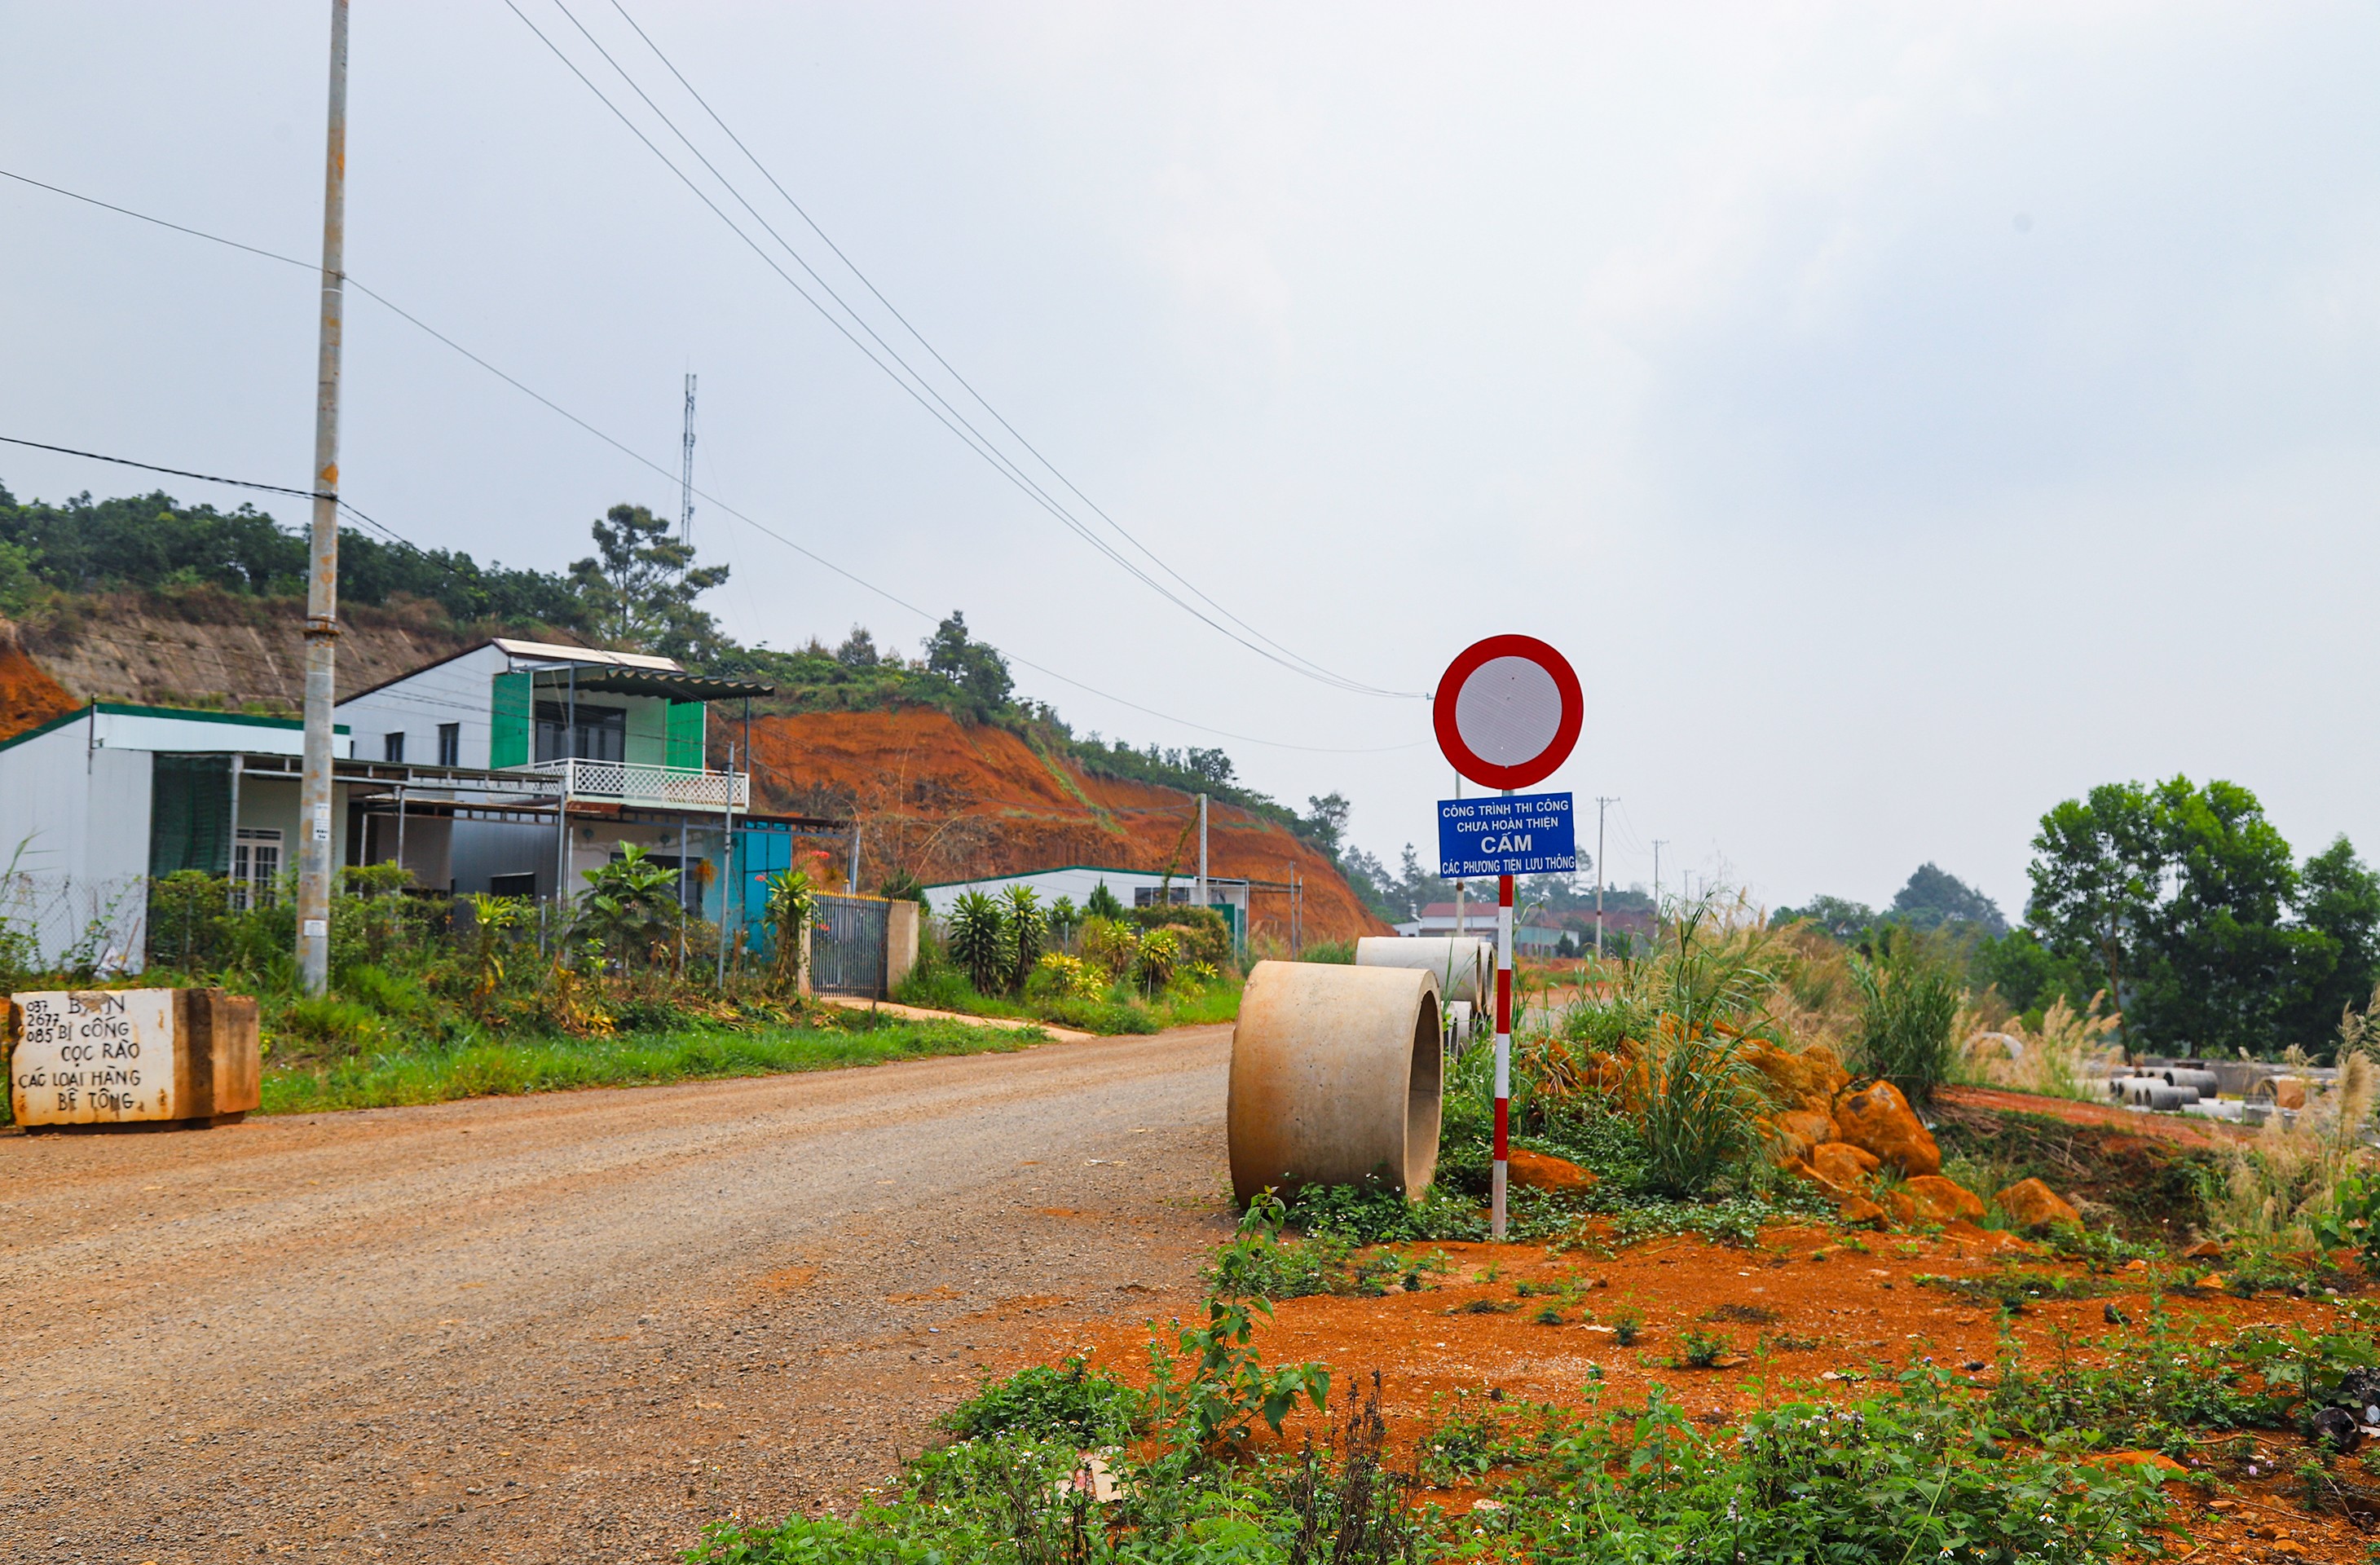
(1503, 1043)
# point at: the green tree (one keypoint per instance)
(630, 905)
(2338, 901)
(2228, 968)
(2096, 867)
(1103, 903)
(975, 668)
(1935, 899)
(642, 586)
(1028, 927)
(1839, 916)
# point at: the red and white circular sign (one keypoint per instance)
(1508, 711)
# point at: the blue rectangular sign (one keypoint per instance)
(1525, 834)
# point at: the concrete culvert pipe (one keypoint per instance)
(1334, 1077)
(1465, 966)
(2207, 1082)
(2148, 1092)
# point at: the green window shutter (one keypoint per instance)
(189, 813)
(508, 720)
(686, 720)
(648, 737)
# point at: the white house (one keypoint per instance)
(511, 767)
(1134, 888)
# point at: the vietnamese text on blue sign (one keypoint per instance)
(1524, 834)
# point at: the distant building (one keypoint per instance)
(1134, 888)
(512, 768)
(1533, 934)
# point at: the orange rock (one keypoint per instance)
(1840, 1162)
(1942, 1200)
(1858, 1211)
(1805, 1079)
(2164, 1466)
(1878, 1119)
(1537, 1171)
(2031, 1204)
(1800, 1130)
(1900, 1205)
(1993, 1239)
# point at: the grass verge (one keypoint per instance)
(432, 1073)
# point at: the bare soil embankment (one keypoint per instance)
(201, 648)
(951, 801)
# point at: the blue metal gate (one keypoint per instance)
(848, 946)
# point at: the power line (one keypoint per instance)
(921, 391)
(550, 406)
(894, 312)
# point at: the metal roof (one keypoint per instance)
(677, 686)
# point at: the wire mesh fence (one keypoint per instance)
(93, 923)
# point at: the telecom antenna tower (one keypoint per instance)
(685, 473)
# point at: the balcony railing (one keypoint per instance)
(659, 787)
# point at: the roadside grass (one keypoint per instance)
(478, 1068)
(938, 986)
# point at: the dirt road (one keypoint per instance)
(574, 1326)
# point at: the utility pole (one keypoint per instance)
(685, 473)
(1658, 844)
(1202, 850)
(314, 846)
(1601, 804)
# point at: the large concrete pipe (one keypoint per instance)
(1334, 1077)
(1465, 964)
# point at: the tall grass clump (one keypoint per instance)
(2275, 1188)
(1909, 1010)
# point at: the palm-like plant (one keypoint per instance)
(979, 940)
(1161, 953)
(631, 904)
(793, 901)
(1027, 928)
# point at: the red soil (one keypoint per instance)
(28, 696)
(2197, 1134)
(1837, 1309)
(948, 801)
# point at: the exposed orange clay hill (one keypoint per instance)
(950, 801)
(28, 696)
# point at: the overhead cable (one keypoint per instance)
(904, 376)
(878, 294)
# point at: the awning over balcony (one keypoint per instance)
(590, 679)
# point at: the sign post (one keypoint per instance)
(1508, 712)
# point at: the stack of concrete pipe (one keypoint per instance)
(2162, 1088)
(1465, 964)
(1335, 1077)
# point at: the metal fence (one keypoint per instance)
(847, 943)
(95, 924)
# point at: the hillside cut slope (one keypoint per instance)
(949, 801)
(208, 648)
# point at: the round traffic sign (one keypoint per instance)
(1508, 711)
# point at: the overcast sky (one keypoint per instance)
(1906, 417)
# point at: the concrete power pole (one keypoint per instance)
(1658, 844)
(686, 471)
(1202, 850)
(314, 845)
(1601, 804)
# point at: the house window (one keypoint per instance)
(1146, 896)
(600, 732)
(392, 749)
(255, 865)
(450, 744)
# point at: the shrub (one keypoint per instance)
(1070, 1401)
(1909, 1008)
(979, 942)
(1160, 952)
(1110, 945)
(1029, 930)
(1340, 951)
(1057, 976)
(1701, 1111)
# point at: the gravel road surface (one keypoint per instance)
(576, 1326)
